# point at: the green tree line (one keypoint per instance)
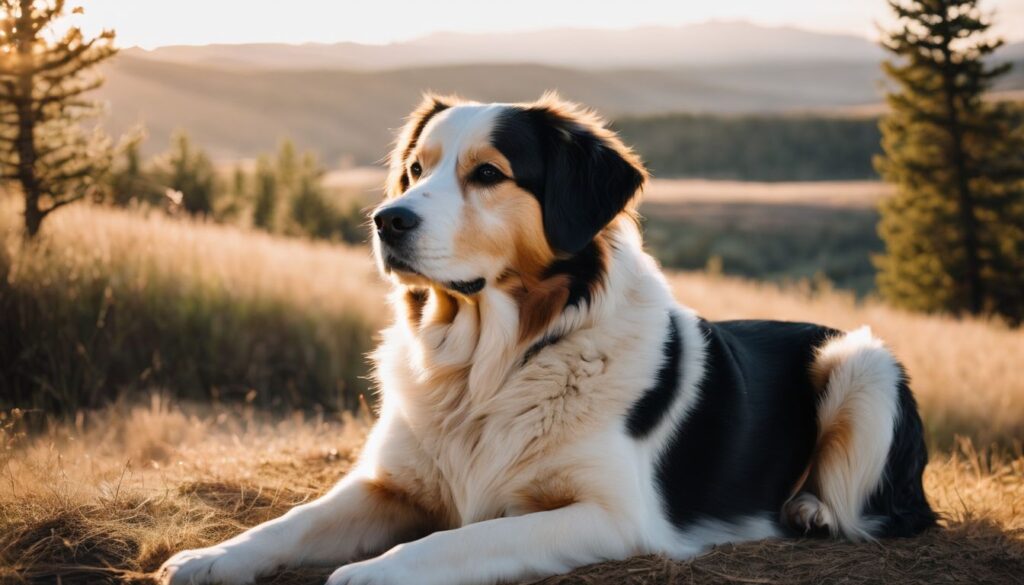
(282, 192)
(755, 147)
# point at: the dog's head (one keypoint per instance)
(478, 191)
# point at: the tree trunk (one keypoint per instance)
(33, 220)
(965, 200)
(25, 141)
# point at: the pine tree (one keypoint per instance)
(43, 78)
(264, 209)
(188, 169)
(954, 230)
(311, 212)
(129, 181)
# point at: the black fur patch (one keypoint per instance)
(586, 271)
(652, 407)
(580, 180)
(466, 287)
(752, 430)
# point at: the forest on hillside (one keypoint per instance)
(755, 147)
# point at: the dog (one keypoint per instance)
(546, 404)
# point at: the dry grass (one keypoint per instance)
(110, 301)
(143, 247)
(107, 499)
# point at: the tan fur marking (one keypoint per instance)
(443, 307)
(833, 445)
(514, 233)
(485, 154)
(428, 156)
(539, 303)
(821, 369)
(385, 490)
(414, 300)
(546, 494)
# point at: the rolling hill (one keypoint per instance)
(236, 113)
(346, 99)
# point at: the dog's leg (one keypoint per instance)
(522, 547)
(356, 518)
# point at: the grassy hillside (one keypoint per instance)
(111, 302)
(106, 496)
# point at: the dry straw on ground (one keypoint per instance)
(106, 500)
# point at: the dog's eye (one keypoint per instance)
(487, 174)
(415, 170)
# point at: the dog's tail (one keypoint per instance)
(870, 455)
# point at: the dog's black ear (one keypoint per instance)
(590, 175)
(431, 105)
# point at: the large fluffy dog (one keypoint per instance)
(545, 403)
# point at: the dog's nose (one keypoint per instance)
(394, 223)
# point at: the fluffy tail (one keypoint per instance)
(865, 479)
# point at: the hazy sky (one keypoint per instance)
(151, 23)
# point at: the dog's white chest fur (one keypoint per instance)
(507, 445)
(490, 453)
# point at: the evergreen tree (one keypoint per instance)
(264, 209)
(234, 200)
(43, 76)
(239, 183)
(188, 170)
(311, 212)
(954, 230)
(129, 180)
(287, 168)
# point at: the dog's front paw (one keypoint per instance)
(378, 571)
(216, 565)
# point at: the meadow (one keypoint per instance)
(182, 348)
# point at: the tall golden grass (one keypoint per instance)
(110, 301)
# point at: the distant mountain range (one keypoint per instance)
(712, 43)
(346, 98)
